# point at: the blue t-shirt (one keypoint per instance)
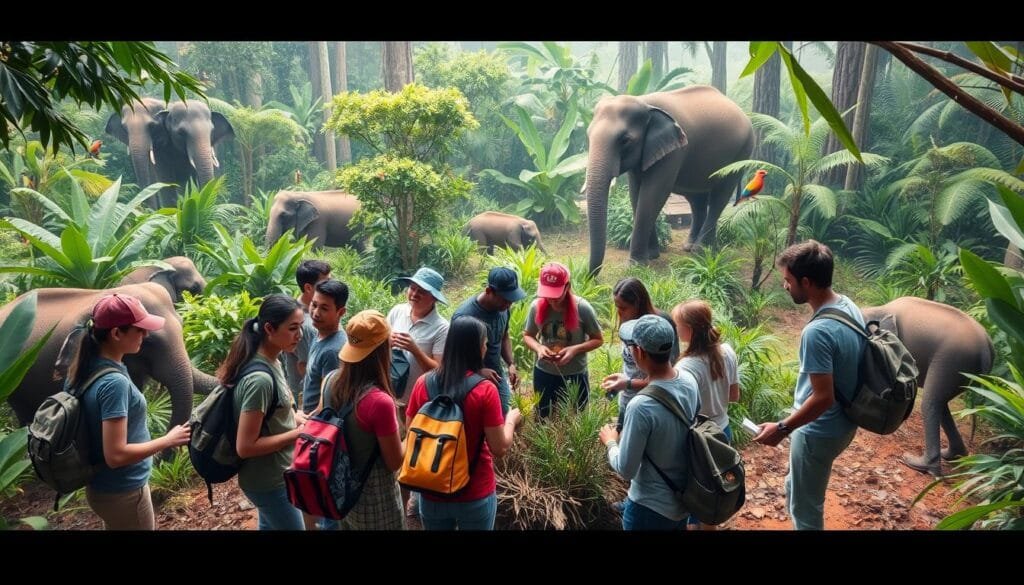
(113, 396)
(497, 327)
(830, 347)
(323, 357)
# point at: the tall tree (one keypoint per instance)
(657, 52)
(319, 144)
(845, 81)
(854, 175)
(341, 85)
(330, 154)
(717, 52)
(766, 101)
(628, 53)
(397, 65)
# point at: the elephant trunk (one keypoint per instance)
(273, 231)
(600, 173)
(140, 151)
(203, 383)
(201, 158)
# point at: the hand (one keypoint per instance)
(490, 375)
(614, 383)
(402, 341)
(608, 433)
(566, 355)
(300, 418)
(513, 375)
(770, 434)
(544, 352)
(179, 435)
(515, 417)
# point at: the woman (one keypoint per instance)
(632, 301)
(712, 363)
(266, 436)
(363, 379)
(568, 329)
(115, 411)
(488, 434)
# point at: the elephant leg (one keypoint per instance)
(957, 448)
(717, 199)
(932, 406)
(699, 213)
(651, 198)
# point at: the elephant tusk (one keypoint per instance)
(216, 163)
(152, 157)
(192, 162)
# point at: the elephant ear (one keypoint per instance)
(67, 352)
(221, 128)
(158, 133)
(662, 137)
(115, 127)
(165, 279)
(305, 214)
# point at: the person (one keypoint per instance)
(492, 307)
(307, 275)
(488, 433)
(829, 356)
(364, 379)
(560, 328)
(632, 301)
(652, 436)
(712, 363)
(115, 412)
(326, 309)
(266, 437)
(417, 328)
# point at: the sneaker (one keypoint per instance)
(620, 506)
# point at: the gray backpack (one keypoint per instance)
(886, 379)
(58, 440)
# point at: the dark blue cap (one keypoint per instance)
(505, 282)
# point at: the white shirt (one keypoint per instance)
(429, 334)
(714, 394)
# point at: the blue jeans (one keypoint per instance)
(639, 517)
(810, 466)
(552, 388)
(504, 393)
(275, 512)
(475, 515)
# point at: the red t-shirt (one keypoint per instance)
(376, 414)
(481, 409)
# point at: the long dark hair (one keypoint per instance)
(461, 353)
(632, 291)
(275, 310)
(352, 379)
(88, 350)
(705, 340)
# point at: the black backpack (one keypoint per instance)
(215, 427)
(886, 378)
(715, 487)
(58, 440)
(399, 372)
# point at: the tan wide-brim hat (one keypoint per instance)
(366, 331)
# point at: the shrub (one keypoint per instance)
(210, 323)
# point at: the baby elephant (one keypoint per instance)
(492, 228)
(945, 342)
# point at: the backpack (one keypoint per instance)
(215, 428)
(886, 378)
(436, 458)
(58, 440)
(321, 481)
(715, 487)
(399, 372)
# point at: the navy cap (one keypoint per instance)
(652, 333)
(429, 280)
(505, 282)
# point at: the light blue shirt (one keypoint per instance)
(650, 428)
(830, 347)
(115, 396)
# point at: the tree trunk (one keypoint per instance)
(657, 52)
(628, 53)
(330, 154)
(766, 101)
(794, 217)
(254, 91)
(855, 173)
(341, 85)
(319, 147)
(397, 65)
(718, 68)
(845, 78)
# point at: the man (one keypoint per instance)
(308, 274)
(418, 329)
(491, 307)
(325, 311)
(829, 355)
(653, 438)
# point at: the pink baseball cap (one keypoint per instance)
(118, 310)
(553, 279)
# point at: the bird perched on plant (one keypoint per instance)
(753, 187)
(94, 148)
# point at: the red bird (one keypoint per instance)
(753, 187)
(94, 148)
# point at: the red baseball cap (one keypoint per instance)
(553, 279)
(117, 310)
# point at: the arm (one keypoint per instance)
(499, 438)
(250, 444)
(594, 340)
(392, 450)
(509, 357)
(118, 452)
(734, 393)
(820, 400)
(625, 457)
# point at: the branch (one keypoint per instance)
(1010, 81)
(943, 84)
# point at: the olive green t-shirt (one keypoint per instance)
(266, 472)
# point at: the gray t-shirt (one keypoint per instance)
(714, 394)
(115, 396)
(497, 327)
(254, 392)
(553, 334)
(290, 361)
(323, 357)
(429, 334)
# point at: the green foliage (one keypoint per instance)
(643, 83)
(586, 286)
(758, 226)
(620, 222)
(344, 262)
(196, 212)
(158, 409)
(211, 322)
(243, 267)
(714, 276)
(664, 287)
(922, 271)
(35, 76)
(451, 252)
(527, 263)
(229, 66)
(304, 109)
(172, 476)
(267, 129)
(366, 293)
(15, 466)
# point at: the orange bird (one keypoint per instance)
(94, 148)
(753, 187)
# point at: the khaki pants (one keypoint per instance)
(125, 510)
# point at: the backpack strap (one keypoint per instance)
(665, 399)
(77, 392)
(844, 318)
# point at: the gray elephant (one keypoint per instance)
(183, 276)
(946, 343)
(320, 215)
(171, 143)
(162, 357)
(492, 228)
(667, 142)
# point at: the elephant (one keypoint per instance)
(184, 276)
(667, 142)
(492, 228)
(946, 343)
(162, 357)
(178, 139)
(320, 215)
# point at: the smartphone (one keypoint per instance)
(751, 426)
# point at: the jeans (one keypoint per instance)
(504, 393)
(475, 515)
(810, 465)
(275, 512)
(552, 388)
(639, 517)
